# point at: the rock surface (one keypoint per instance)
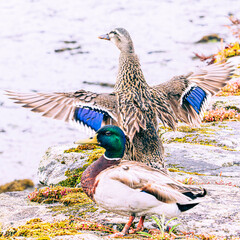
(211, 149)
(55, 163)
(230, 102)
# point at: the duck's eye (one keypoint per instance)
(113, 32)
(108, 133)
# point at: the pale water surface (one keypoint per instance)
(164, 33)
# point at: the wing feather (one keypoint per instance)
(67, 106)
(140, 177)
(188, 95)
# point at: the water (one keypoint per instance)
(31, 31)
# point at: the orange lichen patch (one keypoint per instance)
(16, 185)
(221, 114)
(235, 26)
(71, 200)
(232, 88)
(36, 228)
(189, 181)
(56, 194)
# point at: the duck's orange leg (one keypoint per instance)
(125, 229)
(139, 226)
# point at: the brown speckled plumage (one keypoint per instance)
(135, 106)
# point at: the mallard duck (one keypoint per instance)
(130, 188)
(134, 106)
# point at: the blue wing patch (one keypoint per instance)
(195, 97)
(91, 117)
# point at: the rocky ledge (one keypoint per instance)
(208, 156)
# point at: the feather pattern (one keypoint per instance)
(89, 109)
(189, 94)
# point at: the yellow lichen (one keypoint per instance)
(81, 148)
(228, 149)
(16, 185)
(186, 129)
(231, 50)
(36, 228)
(181, 171)
(199, 139)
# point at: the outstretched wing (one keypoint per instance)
(188, 95)
(88, 109)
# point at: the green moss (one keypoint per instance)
(74, 176)
(17, 185)
(202, 130)
(176, 166)
(82, 207)
(200, 137)
(193, 139)
(178, 234)
(233, 107)
(186, 129)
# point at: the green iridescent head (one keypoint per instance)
(113, 140)
(109, 137)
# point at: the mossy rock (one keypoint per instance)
(16, 185)
(74, 176)
(209, 38)
(64, 164)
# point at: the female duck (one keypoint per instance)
(131, 188)
(134, 106)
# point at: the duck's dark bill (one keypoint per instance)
(91, 140)
(104, 36)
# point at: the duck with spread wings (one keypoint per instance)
(134, 106)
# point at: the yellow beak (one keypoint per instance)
(91, 140)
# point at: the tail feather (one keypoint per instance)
(194, 197)
(185, 207)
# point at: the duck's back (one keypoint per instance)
(138, 112)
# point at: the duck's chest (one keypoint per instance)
(137, 98)
(88, 180)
